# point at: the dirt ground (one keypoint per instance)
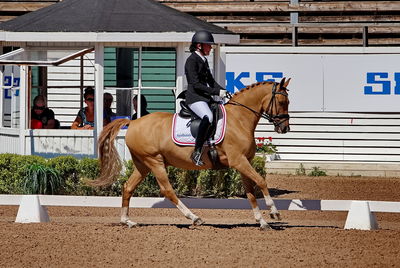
(92, 237)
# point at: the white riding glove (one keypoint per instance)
(217, 98)
(222, 93)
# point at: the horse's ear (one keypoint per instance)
(281, 84)
(286, 83)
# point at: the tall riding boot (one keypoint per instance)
(200, 139)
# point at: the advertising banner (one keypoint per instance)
(323, 82)
(362, 83)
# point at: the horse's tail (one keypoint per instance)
(110, 162)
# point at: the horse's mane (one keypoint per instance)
(243, 90)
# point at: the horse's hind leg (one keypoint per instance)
(129, 187)
(245, 168)
(249, 188)
(166, 189)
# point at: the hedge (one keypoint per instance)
(67, 175)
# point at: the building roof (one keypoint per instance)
(136, 16)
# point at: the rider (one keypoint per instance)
(201, 88)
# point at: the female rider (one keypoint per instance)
(201, 88)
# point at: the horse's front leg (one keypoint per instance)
(245, 168)
(129, 187)
(249, 188)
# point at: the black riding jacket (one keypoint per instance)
(201, 84)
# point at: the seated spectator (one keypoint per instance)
(85, 116)
(108, 113)
(143, 110)
(41, 116)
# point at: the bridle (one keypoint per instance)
(275, 119)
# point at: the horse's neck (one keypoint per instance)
(251, 98)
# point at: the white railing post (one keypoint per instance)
(99, 89)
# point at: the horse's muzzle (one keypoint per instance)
(282, 127)
(281, 123)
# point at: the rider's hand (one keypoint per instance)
(222, 93)
(217, 98)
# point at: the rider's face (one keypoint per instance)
(205, 49)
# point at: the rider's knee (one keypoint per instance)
(209, 117)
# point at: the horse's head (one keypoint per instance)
(277, 106)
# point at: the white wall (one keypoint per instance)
(78, 143)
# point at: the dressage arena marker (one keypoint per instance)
(30, 210)
(360, 214)
(360, 217)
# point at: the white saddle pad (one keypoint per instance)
(181, 131)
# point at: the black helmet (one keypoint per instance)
(203, 37)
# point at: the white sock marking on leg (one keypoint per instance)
(124, 214)
(185, 211)
(259, 217)
(257, 214)
(270, 203)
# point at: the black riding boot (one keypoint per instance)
(200, 139)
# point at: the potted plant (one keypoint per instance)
(265, 147)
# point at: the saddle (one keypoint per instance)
(194, 123)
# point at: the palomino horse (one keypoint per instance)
(152, 149)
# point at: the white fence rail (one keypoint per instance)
(200, 203)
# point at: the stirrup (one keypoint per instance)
(196, 158)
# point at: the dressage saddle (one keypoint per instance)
(194, 124)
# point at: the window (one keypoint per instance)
(58, 74)
(157, 70)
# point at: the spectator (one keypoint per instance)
(85, 116)
(41, 116)
(108, 113)
(143, 110)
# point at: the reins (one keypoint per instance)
(271, 118)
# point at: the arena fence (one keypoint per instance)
(359, 211)
(199, 203)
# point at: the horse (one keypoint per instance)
(152, 149)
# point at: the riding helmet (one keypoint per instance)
(203, 37)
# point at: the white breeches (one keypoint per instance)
(202, 109)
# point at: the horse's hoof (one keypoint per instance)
(198, 221)
(132, 224)
(275, 215)
(129, 223)
(265, 227)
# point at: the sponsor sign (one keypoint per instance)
(321, 82)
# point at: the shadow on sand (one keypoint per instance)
(278, 226)
(274, 192)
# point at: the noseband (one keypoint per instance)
(275, 119)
